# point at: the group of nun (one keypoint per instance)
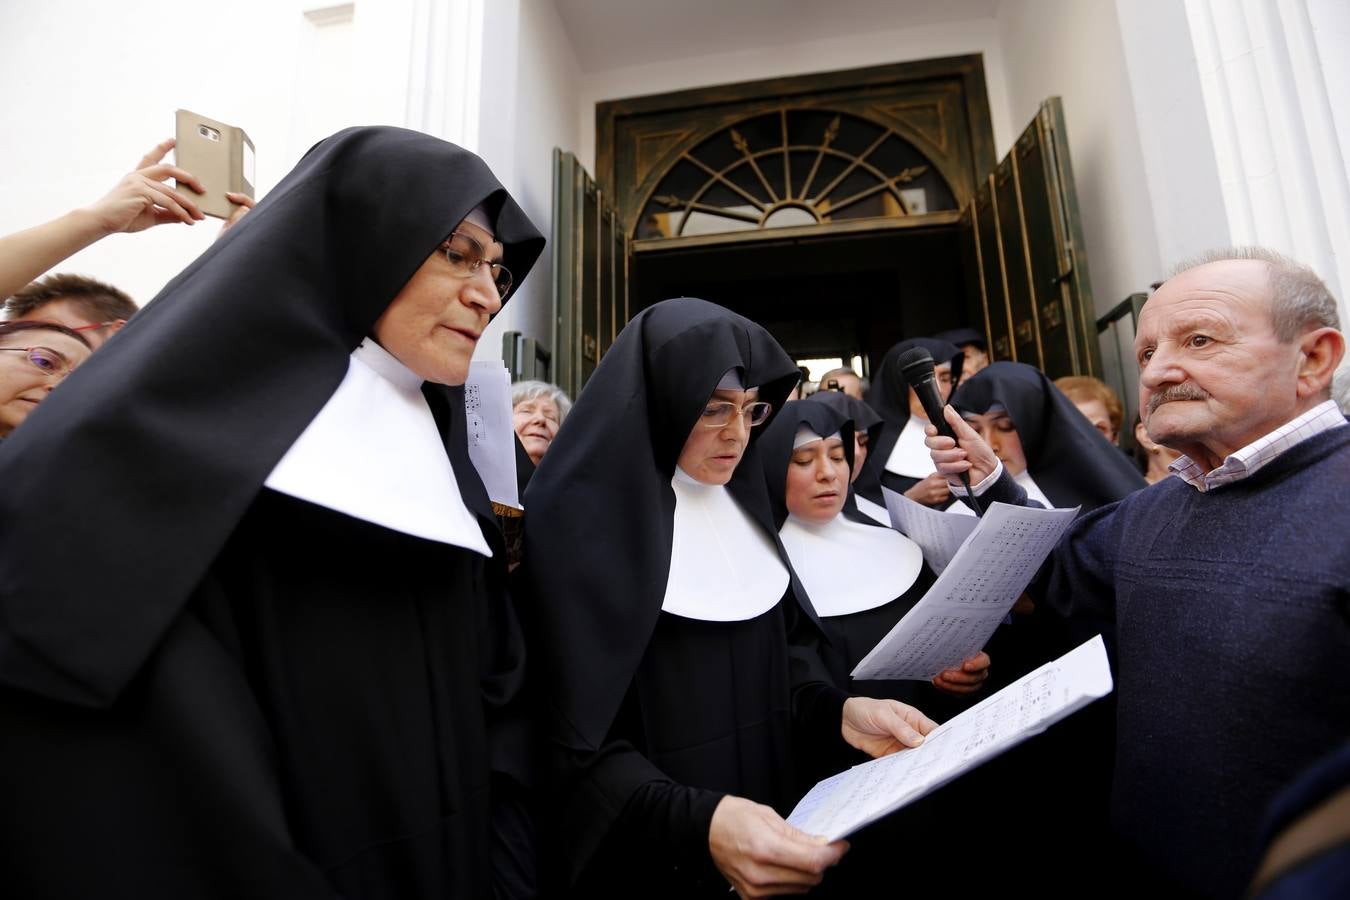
(258, 637)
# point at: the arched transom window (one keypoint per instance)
(793, 167)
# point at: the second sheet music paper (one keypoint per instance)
(843, 803)
(939, 534)
(957, 616)
(487, 412)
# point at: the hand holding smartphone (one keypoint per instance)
(220, 156)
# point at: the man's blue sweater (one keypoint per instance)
(1232, 610)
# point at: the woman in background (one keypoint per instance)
(538, 409)
(1154, 459)
(34, 358)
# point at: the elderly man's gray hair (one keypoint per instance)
(522, 391)
(1299, 299)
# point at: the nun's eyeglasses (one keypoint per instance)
(466, 256)
(49, 361)
(719, 414)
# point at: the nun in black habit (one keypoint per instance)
(898, 459)
(253, 638)
(862, 577)
(1064, 461)
(867, 426)
(677, 654)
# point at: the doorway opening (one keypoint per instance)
(826, 297)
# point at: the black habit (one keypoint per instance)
(1066, 456)
(652, 716)
(852, 635)
(212, 689)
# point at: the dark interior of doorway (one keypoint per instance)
(827, 296)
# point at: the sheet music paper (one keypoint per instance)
(843, 803)
(487, 407)
(971, 596)
(939, 534)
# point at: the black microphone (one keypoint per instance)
(916, 365)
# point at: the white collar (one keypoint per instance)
(374, 453)
(723, 567)
(1033, 490)
(848, 567)
(909, 457)
(873, 511)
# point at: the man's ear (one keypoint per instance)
(1321, 350)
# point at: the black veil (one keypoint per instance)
(1067, 457)
(861, 416)
(775, 448)
(600, 509)
(889, 396)
(123, 487)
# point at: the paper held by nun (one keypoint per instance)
(939, 534)
(959, 613)
(843, 803)
(487, 410)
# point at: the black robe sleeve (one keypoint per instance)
(171, 792)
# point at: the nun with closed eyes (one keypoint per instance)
(253, 635)
(1058, 458)
(677, 655)
(867, 427)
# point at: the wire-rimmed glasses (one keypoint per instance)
(720, 413)
(466, 255)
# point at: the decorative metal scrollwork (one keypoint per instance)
(793, 167)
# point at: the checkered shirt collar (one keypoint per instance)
(1261, 452)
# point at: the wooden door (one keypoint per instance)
(591, 256)
(1030, 264)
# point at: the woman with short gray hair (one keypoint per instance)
(538, 409)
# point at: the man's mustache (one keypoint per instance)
(1183, 391)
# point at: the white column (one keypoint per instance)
(445, 69)
(1174, 134)
(1280, 160)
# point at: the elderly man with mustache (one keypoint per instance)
(1229, 586)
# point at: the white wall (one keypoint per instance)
(542, 98)
(90, 87)
(1073, 48)
(1173, 133)
(1272, 74)
(801, 57)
